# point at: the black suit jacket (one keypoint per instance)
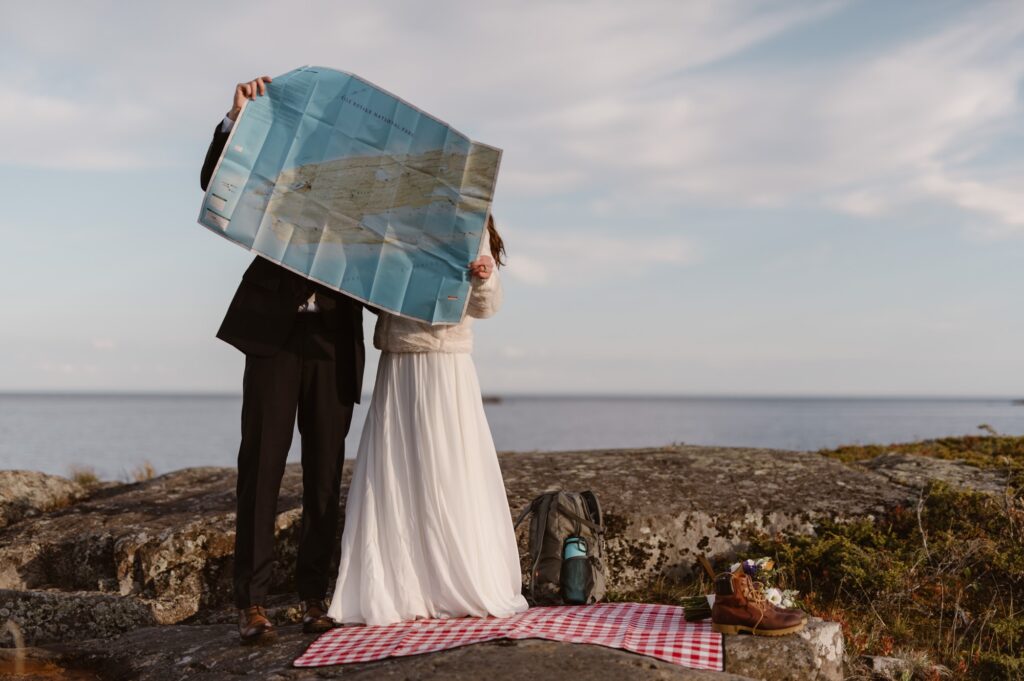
(260, 316)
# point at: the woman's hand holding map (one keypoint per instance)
(482, 266)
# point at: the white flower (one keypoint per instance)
(774, 596)
(789, 598)
(734, 567)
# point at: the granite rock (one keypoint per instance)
(665, 506)
(48, 616)
(814, 654)
(915, 472)
(211, 652)
(159, 552)
(169, 541)
(25, 494)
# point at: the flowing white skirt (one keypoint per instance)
(428, 531)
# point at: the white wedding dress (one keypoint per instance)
(428, 530)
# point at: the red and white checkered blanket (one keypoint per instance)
(655, 630)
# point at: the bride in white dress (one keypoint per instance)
(428, 531)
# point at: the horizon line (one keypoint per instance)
(549, 395)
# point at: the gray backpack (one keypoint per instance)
(555, 517)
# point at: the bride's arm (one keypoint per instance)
(485, 296)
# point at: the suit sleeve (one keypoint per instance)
(220, 138)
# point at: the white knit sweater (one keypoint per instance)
(401, 334)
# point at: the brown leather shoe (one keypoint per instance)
(314, 616)
(740, 607)
(254, 627)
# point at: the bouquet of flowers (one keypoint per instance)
(762, 573)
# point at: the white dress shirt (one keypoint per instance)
(310, 305)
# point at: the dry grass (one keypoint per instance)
(84, 475)
(142, 473)
(662, 590)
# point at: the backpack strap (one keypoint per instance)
(525, 512)
(570, 513)
(543, 509)
(593, 507)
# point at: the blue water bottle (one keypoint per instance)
(575, 574)
(574, 546)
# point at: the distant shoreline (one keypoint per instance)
(498, 397)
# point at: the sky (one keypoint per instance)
(710, 198)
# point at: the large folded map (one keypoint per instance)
(332, 177)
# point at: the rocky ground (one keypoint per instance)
(132, 581)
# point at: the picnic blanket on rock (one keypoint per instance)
(648, 629)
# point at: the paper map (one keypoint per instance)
(342, 182)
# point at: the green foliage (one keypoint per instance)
(940, 582)
(945, 577)
(991, 451)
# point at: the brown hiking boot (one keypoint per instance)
(254, 627)
(314, 616)
(740, 607)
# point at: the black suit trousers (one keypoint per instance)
(300, 379)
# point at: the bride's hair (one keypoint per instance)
(497, 243)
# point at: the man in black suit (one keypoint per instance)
(303, 346)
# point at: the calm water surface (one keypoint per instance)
(115, 433)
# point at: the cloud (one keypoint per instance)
(863, 203)
(137, 92)
(579, 257)
(539, 182)
(61, 132)
(861, 133)
(1001, 202)
(653, 104)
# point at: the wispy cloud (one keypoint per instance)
(579, 258)
(858, 133)
(489, 67)
(609, 97)
(1001, 201)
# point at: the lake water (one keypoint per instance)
(115, 433)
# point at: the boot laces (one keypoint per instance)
(756, 597)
